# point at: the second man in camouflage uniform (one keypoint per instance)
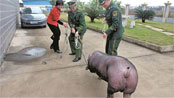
(114, 32)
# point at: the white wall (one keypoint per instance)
(9, 11)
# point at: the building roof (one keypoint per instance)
(132, 12)
(20, 1)
(36, 2)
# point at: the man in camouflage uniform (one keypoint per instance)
(114, 32)
(76, 21)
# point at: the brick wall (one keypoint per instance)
(9, 11)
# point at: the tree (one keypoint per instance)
(80, 5)
(146, 14)
(94, 10)
(53, 2)
(117, 3)
(66, 7)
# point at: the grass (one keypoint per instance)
(138, 32)
(64, 16)
(168, 27)
(97, 24)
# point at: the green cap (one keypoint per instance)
(102, 1)
(72, 2)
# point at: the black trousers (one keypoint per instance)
(55, 37)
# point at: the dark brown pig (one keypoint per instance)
(119, 72)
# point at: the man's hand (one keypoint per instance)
(65, 25)
(77, 34)
(73, 30)
(104, 36)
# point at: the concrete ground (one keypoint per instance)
(60, 77)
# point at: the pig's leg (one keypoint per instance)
(110, 93)
(126, 95)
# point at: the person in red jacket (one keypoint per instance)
(53, 21)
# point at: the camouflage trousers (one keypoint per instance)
(78, 51)
(112, 46)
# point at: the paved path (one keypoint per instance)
(60, 77)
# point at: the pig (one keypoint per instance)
(118, 71)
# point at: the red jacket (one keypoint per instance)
(53, 16)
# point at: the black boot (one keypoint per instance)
(72, 53)
(51, 47)
(76, 59)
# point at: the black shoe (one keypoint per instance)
(52, 37)
(76, 59)
(51, 47)
(72, 53)
(58, 51)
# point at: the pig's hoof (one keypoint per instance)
(86, 68)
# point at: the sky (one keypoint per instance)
(139, 2)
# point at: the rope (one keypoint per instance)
(53, 58)
(78, 46)
(84, 58)
(65, 46)
(104, 28)
(77, 43)
(103, 31)
(64, 49)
